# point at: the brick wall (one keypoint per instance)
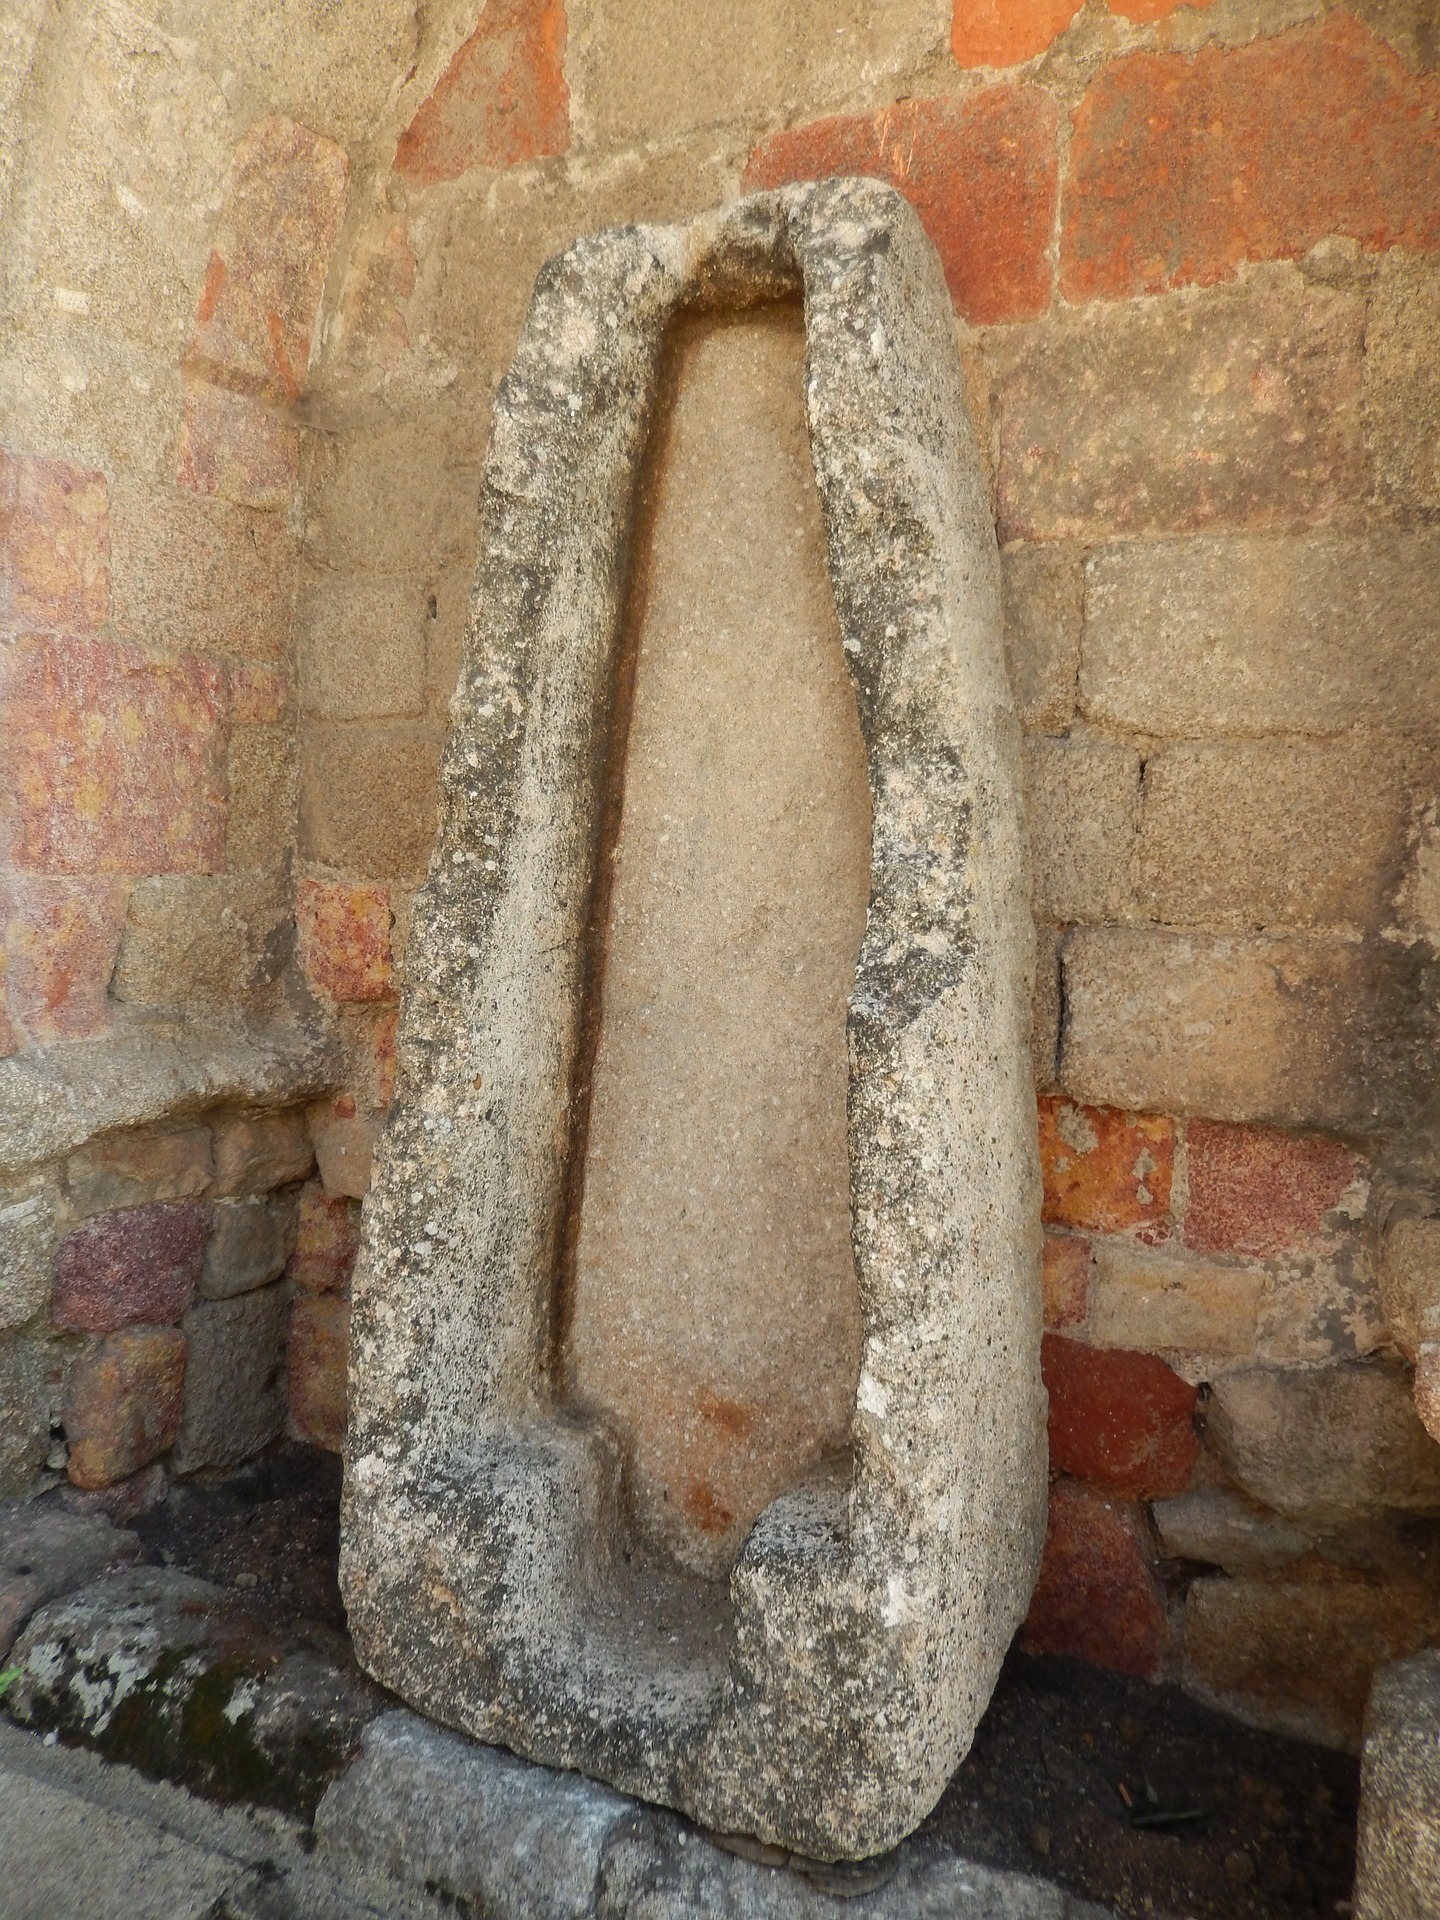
(262, 283)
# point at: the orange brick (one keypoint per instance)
(345, 939)
(111, 762)
(1183, 168)
(502, 98)
(54, 545)
(316, 1361)
(123, 1404)
(1122, 1419)
(1000, 33)
(1105, 1171)
(61, 938)
(1065, 1277)
(1097, 1598)
(327, 1238)
(1143, 10)
(1257, 1191)
(980, 169)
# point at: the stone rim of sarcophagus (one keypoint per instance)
(822, 1697)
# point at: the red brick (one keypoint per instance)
(1097, 1597)
(261, 296)
(233, 447)
(1182, 168)
(1065, 1278)
(123, 1404)
(980, 169)
(502, 98)
(1121, 1419)
(327, 1239)
(61, 938)
(345, 939)
(54, 545)
(1257, 1191)
(316, 1361)
(1000, 33)
(135, 1264)
(1105, 1171)
(111, 762)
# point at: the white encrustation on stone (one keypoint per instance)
(821, 1697)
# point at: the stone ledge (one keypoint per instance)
(55, 1099)
(427, 1808)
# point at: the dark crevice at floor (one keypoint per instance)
(1130, 1794)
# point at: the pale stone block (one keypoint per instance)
(254, 1152)
(1256, 634)
(1326, 1445)
(1044, 601)
(1401, 395)
(362, 646)
(367, 798)
(249, 1244)
(28, 1232)
(193, 572)
(1082, 801)
(1214, 1525)
(204, 942)
(1397, 1874)
(344, 1148)
(1270, 834)
(131, 1169)
(264, 791)
(1190, 1311)
(822, 1695)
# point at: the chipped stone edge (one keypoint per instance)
(483, 1526)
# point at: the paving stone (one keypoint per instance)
(344, 1147)
(234, 1403)
(427, 1808)
(54, 545)
(62, 934)
(46, 1551)
(154, 1667)
(345, 939)
(136, 1264)
(1197, 1313)
(1065, 1278)
(249, 1245)
(1398, 1870)
(1328, 1444)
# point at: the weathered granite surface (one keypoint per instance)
(424, 1808)
(822, 1696)
(46, 1551)
(1398, 1871)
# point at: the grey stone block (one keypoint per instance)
(1398, 1871)
(234, 1405)
(249, 1244)
(426, 1808)
(45, 1552)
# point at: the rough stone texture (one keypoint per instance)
(315, 1371)
(1065, 1278)
(327, 1239)
(54, 546)
(1097, 1598)
(1247, 635)
(113, 762)
(362, 649)
(256, 1152)
(980, 169)
(344, 1147)
(345, 939)
(122, 1403)
(1329, 1445)
(234, 1402)
(141, 1263)
(1241, 409)
(30, 1373)
(716, 1322)
(264, 791)
(1002, 33)
(1254, 1191)
(1298, 1656)
(129, 1169)
(62, 934)
(1397, 1871)
(1105, 1171)
(423, 1807)
(249, 1245)
(1402, 379)
(1183, 168)
(211, 943)
(863, 1624)
(27, 1248)
(367, 804)
(1081, 803)
(1195, 1312)
(46, 1552)
(1217, 1527)
(502, 98)
(1044, 603)
(1295, 1031)
(155, 1666)
(1122, 1420)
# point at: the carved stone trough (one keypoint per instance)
(502, 1563)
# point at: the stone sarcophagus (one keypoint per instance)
(697, 1433)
